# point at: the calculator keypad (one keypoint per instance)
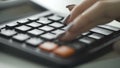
(42, 33)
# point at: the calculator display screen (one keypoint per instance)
(19, 11)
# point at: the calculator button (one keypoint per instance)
(56, 25)
(55, 18)
(48, 46)
(49, 36)
(102, 31)
(85, 33)
(64, 51)
(2, 26)
(7, 32)
(114, 23)
(33, 18)
(58, 32)
(23, 28)
(87, 40)
(20, 37)
(23, 21)
(35, 32)
(34, 24)
(78, 46)
(34, 41)
(46, 28)
(96, 36)
(110, 27)
(44, 21)
(12, 25)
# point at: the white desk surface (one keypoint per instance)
(10, 61)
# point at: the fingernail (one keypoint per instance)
(71, 5)
(66, 20)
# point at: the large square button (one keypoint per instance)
(64, 51)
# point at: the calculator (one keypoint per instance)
(33, 29)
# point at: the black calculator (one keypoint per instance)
(33, 29)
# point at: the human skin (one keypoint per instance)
(89, 14)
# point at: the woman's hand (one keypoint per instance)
(89, 14)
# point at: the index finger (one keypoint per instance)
(77, 10)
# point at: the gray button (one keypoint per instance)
(101, 31)
(55, 18)
(85, 33)
(44, 21)
(23, 28)
(33, 18)
(96, 36)
(110, 27)
(46, 28)
(8, 33)
(87, 40)
(21, 37)
(56, 24)
(34, 24)
(22, 21)
(13, 24)
(34, 41)
(49, 36)
(58, 31)
(35, 32)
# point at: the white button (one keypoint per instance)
(85, 33)
(101, 31)
(110, 27)
(96, 36)
(87, 40)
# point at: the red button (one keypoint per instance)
(64, 51)
(48, 46)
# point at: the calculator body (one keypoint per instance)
(84, 50)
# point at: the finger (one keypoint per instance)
(87, 20)
(80, 8)
(74, 32)
(70, 7)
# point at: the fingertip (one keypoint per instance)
(66, 37)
